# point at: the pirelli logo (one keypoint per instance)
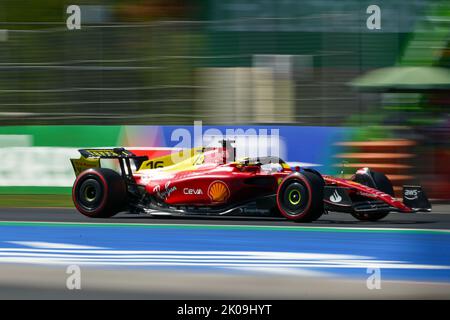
(104, 153)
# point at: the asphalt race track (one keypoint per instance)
(438, 219)
(130, 256)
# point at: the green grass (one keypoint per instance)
(35, 200)
(33, 191)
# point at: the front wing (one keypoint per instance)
(344, 199)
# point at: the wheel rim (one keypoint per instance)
(294, 197)
(90, 194)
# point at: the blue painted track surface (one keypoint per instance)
(401, 255)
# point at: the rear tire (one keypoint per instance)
(99, 193)
(383, 184)
(300, 197)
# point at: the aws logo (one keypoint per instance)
(218, 191)
(411, 194)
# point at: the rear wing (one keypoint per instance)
(90, 158)
(113, 153)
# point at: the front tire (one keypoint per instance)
(99, 193)
(300, 197)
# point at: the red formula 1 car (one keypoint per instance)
(214, 183)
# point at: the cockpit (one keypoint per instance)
(264, 164)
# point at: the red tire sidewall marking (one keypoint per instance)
(308, 206)
(75, 186)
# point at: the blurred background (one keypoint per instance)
(381, 96)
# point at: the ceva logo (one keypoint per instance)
(192, 191)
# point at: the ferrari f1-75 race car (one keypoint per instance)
(213, 182)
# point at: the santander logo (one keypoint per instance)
(335, 197)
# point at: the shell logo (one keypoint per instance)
(218, 191)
